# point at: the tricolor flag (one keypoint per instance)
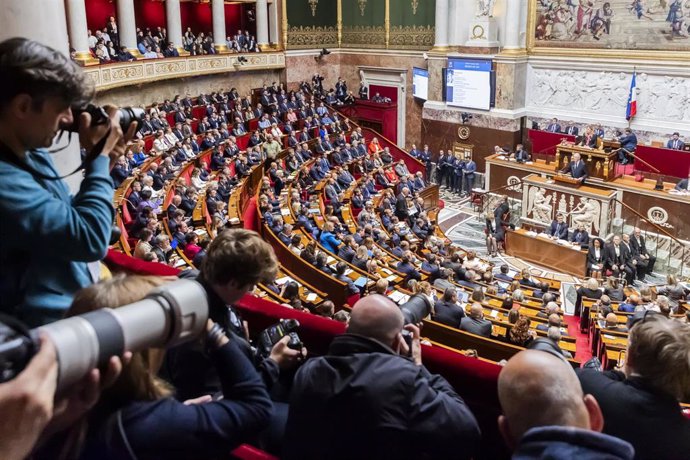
(631, 110)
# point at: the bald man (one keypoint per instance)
(364, 399)
(546, 414)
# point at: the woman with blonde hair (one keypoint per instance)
(520, 334)
(137, 417)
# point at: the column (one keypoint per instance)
(441, 24)
(273, 24)
(218, 13)
(78, 36)
(262, 24)
(174, 22)
(127, 26)
(511, 31)
(44, 21)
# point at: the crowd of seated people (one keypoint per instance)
(104, 44)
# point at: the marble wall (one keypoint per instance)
(441, 128)
(166, 89)
(510, 84)
(597, 92)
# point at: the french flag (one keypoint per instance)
(631, 110)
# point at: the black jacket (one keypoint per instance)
(636, 412)
(448, 313)
(363, 401)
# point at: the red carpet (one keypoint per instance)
(583, 350)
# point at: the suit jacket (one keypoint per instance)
(675, 144)
(449, 313)
(610, 257)
(638, 248)
(476, 326)
(576, 171)
(558, 230)
(580, 237)
(592, 142)
(633, 409)
(554, 128)
(521, 155)
(683, 184)
(572, 130)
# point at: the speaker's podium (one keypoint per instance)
(379, 116)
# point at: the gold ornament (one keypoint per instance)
(415, 5)
(464, 132)
(362, 6)
(313, 4)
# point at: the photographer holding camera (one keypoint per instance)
(51, 241)
(236, 260)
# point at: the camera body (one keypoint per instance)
(273, 334)
(99, 116)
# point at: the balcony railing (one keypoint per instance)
(108, 76)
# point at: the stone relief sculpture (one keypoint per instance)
(606, 93)
(586, 213)
(539, 204)
(485, 8)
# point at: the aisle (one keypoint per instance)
(583, 350)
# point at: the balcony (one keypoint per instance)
(108, 76)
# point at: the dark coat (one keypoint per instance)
(363, 401)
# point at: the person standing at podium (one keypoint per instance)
(558, 229)
(577, 168)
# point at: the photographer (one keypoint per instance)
(51, 241)
(138, 418)
(236, 260)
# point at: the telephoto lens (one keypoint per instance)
(172, 314)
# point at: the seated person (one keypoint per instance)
(447, 311)
(580, 235)
(611, 323)
(554, 321)
(588, 139)
(675, 143)
(576, 168)
(558, 230)
(643, 396)
(546, 414)
(628, 143)
(475, 322)
(684, 184)
(595, 257)
(142, 403)
(520, 154)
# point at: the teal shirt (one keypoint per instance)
(48, 238)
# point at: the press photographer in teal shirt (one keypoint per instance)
(50, 241)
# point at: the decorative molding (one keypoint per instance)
(412, 37)
(372, 36)
(312, 37)
(415, 5)
(146, 71)
(362, 6)
(313, 4)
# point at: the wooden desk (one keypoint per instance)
(600, 164)
(546, 252)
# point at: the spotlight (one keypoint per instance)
(242, 60)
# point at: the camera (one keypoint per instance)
(99, 116)
(273, 334)
(408, 338)
(169, 315)
(466, 117)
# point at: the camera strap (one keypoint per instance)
(8, 156)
